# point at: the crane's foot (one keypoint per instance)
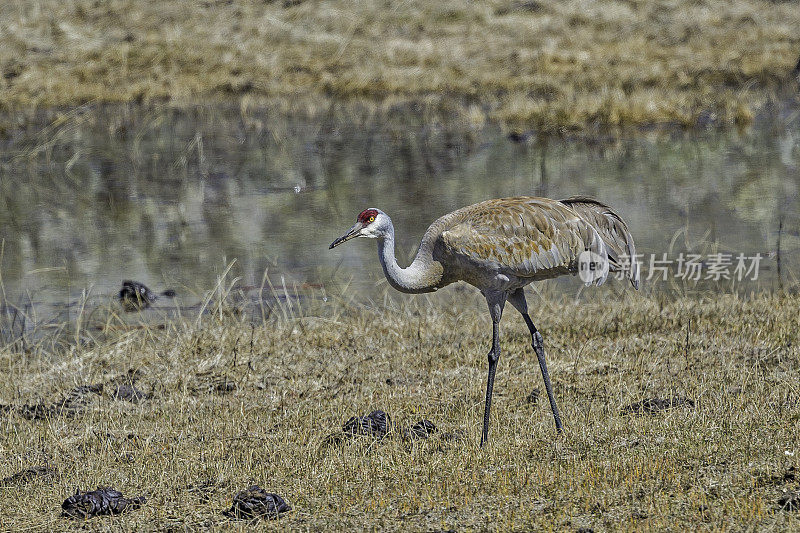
(493, 357)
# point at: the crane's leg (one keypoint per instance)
(517, 299)
(496, 302)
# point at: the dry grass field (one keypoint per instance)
(229, 403)
(681, 412)
(544, 65)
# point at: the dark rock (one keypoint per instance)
(376, 424)
(24, 476)
(421, 430)
(102, 501)
(135, 296)
(789, 502)
(255, 502)
(651, 406)
(129, 393)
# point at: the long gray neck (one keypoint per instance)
(422, 275)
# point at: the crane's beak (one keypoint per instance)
(351, 233)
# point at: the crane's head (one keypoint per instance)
(371, 223)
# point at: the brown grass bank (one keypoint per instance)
(539, 64)
(197, 439)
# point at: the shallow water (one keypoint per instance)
(169, 198)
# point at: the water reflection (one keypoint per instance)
(170, 198)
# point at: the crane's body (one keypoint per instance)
(501, 245)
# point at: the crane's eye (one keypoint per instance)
(371, 219)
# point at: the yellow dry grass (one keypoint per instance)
(719, 466)
(538, 64)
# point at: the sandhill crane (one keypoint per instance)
(499, 246)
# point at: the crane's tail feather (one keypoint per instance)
(600, 257)
(614, 234)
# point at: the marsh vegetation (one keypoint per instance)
(548, 66)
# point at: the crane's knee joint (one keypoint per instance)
(493, 356)
(537, 341)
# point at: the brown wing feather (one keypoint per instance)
(613, 231)
(526, 236)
